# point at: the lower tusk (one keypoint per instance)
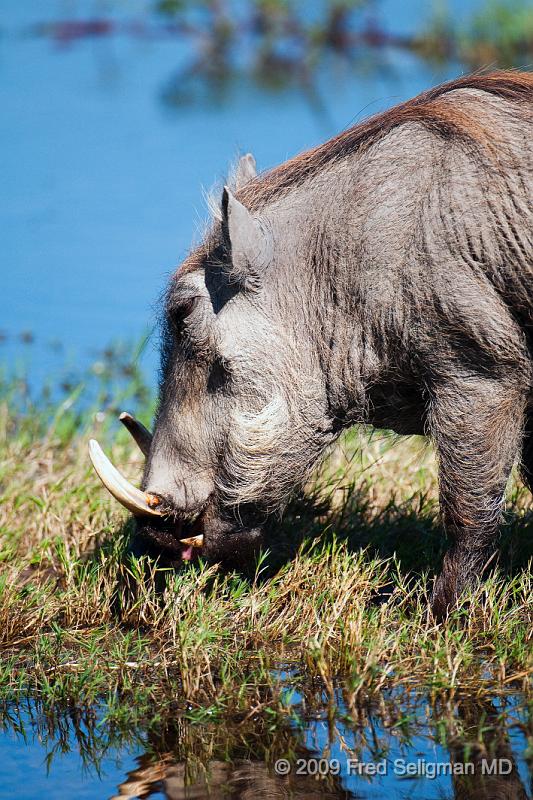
(142, 435)
(140, 503)
(194, 541)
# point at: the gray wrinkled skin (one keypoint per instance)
(392, 284)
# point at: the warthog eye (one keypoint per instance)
(187, 307)
(180, 312)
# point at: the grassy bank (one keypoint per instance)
(338, 603)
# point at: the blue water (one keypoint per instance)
(102, 181)
(63, 756)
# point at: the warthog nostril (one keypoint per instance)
(163, 503)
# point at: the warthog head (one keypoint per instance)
(243, 409)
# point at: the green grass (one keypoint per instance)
(339, 601)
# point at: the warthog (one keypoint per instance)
(384, 277)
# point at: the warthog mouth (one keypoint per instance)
(180, 538)
(187, 532)
(208, 534)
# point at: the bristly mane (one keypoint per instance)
(427, 108)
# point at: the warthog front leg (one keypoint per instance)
(476, 424)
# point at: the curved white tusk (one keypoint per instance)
(142, 435)
(194, 541)
(127, 495)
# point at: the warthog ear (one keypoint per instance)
(246, 170)
(247, 241)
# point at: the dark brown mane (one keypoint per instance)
(427, 108)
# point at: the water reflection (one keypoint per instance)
(485, 744)
(239, 779)
(466, 753)
(399, 745)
